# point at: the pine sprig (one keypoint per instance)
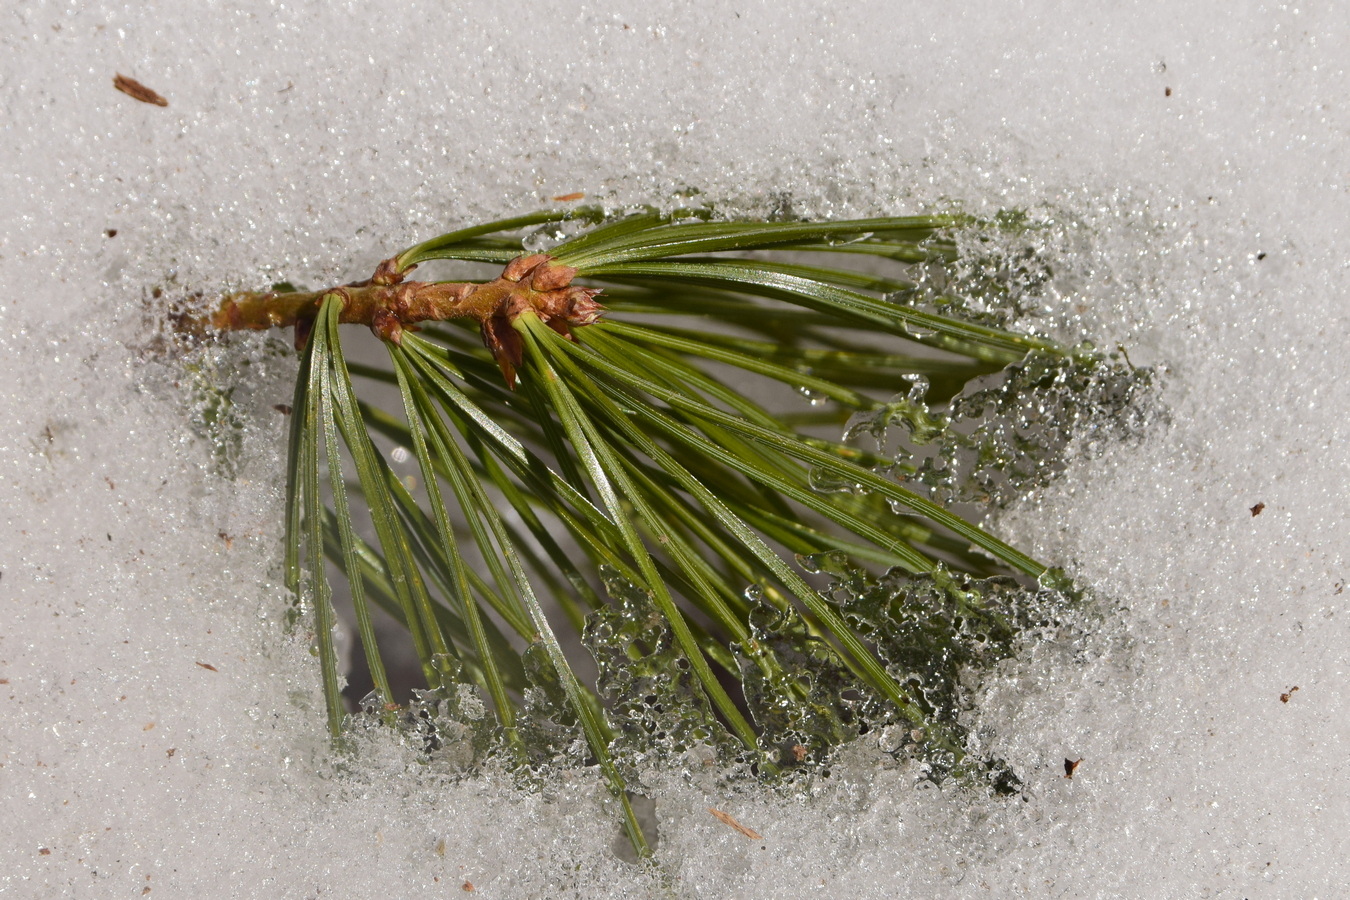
(640, 440)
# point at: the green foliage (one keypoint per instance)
(752, 587)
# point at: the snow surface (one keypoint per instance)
(1200, 156)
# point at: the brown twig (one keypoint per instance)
(388, 305)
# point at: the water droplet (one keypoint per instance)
(831, 562)
(835, 241)
(918, 388)
(815, 398)
(1055, 580)
(918, 332)
(827, 481)
(543, 239)
(910, 296)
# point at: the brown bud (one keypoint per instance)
(388, 272)
(303, 327)
(582, 307)
(521, 266)
(505, 344)
(551, 276)
(387, 326)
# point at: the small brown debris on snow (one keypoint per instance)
(1256, 510)
(1284, 698)
(726, 819)
(467, 887)
(148, 726)
(799, 752)
(208, 666)
(568, 198)
(170, 752)
(43, 851)
(1070, 766)
(137, 91)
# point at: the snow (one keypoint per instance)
(158, 730)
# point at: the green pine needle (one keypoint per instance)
(639, 471)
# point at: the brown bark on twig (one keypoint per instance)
(388, 305)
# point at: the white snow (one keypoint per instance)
(1200, 158)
